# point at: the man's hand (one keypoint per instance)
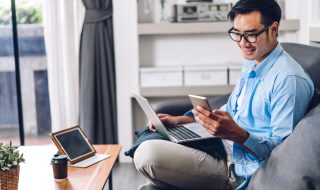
(171, 120)
(219, 123)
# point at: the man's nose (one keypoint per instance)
(244, 42)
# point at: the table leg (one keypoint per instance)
(110, 181)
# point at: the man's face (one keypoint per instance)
(251, 24)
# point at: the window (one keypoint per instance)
(33, 74)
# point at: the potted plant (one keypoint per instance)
(9, 166)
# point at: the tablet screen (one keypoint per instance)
(74, 143)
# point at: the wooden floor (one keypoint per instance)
(125, 177)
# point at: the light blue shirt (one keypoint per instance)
(276, 97)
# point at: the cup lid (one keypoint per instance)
(59, 157)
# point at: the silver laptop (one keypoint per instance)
(178, 134)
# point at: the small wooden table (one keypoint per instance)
(37, 174)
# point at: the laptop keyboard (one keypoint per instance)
(182, 133)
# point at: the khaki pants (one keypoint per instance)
(169, 165)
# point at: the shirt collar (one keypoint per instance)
(262, 69)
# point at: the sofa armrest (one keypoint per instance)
(179, 107)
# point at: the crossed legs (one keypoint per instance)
(169, 165)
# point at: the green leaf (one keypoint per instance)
(9, 156)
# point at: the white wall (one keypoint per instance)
(168, 50)
(126, 57)
(302, 10)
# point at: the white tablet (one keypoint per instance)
(199, 101)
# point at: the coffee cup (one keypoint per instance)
(60, 167)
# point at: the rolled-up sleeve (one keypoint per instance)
(262, 146)
(189, 113)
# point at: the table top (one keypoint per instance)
(36, 173)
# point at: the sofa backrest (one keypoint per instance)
(295, 163)
(309, 59)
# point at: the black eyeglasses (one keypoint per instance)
(252, 38)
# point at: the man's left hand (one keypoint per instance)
(220, 124)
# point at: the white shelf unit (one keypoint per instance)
(314, 35)
(201, 28)
(159, 29)
(183, 90)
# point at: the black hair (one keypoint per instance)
(269, 9)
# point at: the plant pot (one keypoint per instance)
(9, 179)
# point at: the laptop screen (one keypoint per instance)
(74, 143)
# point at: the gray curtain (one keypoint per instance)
(98, 114)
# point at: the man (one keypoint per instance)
(271, 96)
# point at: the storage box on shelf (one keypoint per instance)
(161, 76)
(314, 35)
(234, 73)
(205, 75)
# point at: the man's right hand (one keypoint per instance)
(171, 120)
(151, 127)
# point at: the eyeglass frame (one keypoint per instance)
(246, 35)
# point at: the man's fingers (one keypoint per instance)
(215, 117)
(210, 128)
(161, 115)
(205, 118)
(220, 112)
(203, 110)
(151, 127)
(163, 119)
(206, 122)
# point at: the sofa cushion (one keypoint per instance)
(173, 107)
(295, 164)
(217, 102)
(309, 58)
(178, 107)
(315, 100)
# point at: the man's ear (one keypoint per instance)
(274, 28)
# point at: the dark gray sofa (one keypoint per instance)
(295, 164)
